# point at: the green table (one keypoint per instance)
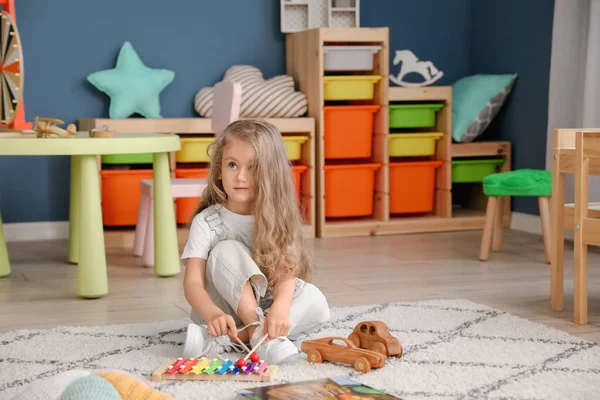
(86, 233)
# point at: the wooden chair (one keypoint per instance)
(587, 228)
(567, 158)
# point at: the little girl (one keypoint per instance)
(245, 251)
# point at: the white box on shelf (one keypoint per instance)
(349, 58)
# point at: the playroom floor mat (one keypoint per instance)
(453, 349)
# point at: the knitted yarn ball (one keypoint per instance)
(107, 371)
(51, 388)
(130, 388)
(91, 387)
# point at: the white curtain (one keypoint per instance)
(574, 97)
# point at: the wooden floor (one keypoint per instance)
(41, 292)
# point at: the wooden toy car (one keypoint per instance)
(375, 335)
(324, 349)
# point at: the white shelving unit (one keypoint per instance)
(299, 15)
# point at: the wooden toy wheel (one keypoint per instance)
(355, 339)
(380, 348)
(362, 365)
(11, 69)
(314, 356)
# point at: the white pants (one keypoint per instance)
(230, 266)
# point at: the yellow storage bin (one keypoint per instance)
(350, 87)
(413, 144)
(293, 146)
(194, 149)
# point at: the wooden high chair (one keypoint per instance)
(577, 152)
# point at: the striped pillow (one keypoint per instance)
(272, 98)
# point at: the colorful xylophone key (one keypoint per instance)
(200, 366)
(224, 367)
(212, 367)
(185, 368)
(175, 367)
(260, 369)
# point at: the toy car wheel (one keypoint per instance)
(355, 339)
(380, 348)
(362, 365)
(400, 352)
(314, 356)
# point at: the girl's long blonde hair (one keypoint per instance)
(278, 239)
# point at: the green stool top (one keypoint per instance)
(522, 182)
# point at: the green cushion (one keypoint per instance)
(522, 182)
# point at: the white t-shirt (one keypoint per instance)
(213, 224)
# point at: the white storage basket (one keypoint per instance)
(349, 58)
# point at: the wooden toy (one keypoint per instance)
(102, 132)
(44, 127)
(205, 369)
(324, 349)
(409, 63)
(375, 335)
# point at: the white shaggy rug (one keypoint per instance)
(453, 350)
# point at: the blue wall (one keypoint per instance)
(65, 40)
(435, 30)
(514, 36)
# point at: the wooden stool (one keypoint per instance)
(524, 182)
(144, 228)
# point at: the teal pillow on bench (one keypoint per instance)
(476, 100)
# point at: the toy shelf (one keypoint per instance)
(343, 73)
(298, 134)
(396, 140)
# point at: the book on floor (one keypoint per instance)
(342, 388)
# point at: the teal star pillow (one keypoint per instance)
(131, 85)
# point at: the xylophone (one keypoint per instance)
(206, 369)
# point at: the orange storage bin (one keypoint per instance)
(349, 189)
(297, 171)
(186, 206)
(348, 131)
(121, 195)
(412, 186)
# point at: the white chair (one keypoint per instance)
(226, 105)
(226, 109)
(144, 229)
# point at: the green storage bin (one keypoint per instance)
(140, 158)
(467, 171)
(413, 115)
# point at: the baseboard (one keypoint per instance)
(526, 222)
(531, 224)
(33, 231)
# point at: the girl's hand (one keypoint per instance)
(222, 324)
(277, 324)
